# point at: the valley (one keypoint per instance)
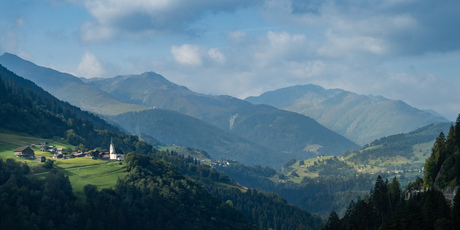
(215, 146)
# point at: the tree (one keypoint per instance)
(379, 197)
(434, 162)
(48, 164)
(333, 222)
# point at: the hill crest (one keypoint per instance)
(360, 118)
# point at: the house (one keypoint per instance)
(116, 153)
(51, 149)
(59, 150)
(24, 152)
(42, 148)
(40, 158)
(58, 156)
(79, 154)
(42, 143)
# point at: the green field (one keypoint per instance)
(81, 171)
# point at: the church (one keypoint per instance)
(116, 153)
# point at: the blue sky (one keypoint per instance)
(400, 49)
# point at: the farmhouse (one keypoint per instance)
(24, 152)
(59, 150)
(40, 158)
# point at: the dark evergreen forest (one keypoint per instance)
(423, 203)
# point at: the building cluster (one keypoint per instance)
(58, 153)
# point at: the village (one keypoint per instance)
(27, 152)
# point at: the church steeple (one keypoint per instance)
(112, 149)
(116, 154)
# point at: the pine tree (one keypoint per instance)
(379, 197)
(333, 222)
(434, 162)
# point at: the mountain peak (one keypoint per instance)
(360, 118)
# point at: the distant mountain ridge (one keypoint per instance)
(280, 135)
(291, 134)
(67, 87)
(171, 127)
(360, 118)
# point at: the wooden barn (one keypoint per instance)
(24, 152)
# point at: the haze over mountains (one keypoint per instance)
(360, 118)
(228, 127)
(288, 133)
(280, 135)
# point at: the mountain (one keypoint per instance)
(291, 134)
(67, 87)
(360, 118)
(170, 127)
(158, 189)
(27, 108)
(402, 152)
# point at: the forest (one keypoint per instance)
(421, 205)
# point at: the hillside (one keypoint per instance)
(329, 183)
(67, 87)
(274, 129)
(127, 195)
(442, 167)
(289, 133)
(360, 118)
(170, 127)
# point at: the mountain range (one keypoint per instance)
(289, 134)
(154, 189)
(67, 87)
(360, 118)
(271, 136)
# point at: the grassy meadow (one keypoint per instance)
(81, 171)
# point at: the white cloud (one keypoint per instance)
(399, 27)
(187, 54)
(138, 18)
(217, 55)
(89, 66)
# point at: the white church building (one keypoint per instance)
(116, 153)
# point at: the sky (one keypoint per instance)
(405, 50)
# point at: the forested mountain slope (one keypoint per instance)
(360, 118)
(432, 203)
(27, 108)
(400, 151)
(170, 127)
(442, 168)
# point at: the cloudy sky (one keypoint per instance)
(400, 49)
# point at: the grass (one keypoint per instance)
(101, 175)
(81, 171)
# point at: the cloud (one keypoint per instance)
(216, 55)
(399, 27)
(89, 66)
(144, 18)
(187, 54)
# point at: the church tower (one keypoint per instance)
(116, 154)
(112, 151)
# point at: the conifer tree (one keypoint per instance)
(434, 162)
